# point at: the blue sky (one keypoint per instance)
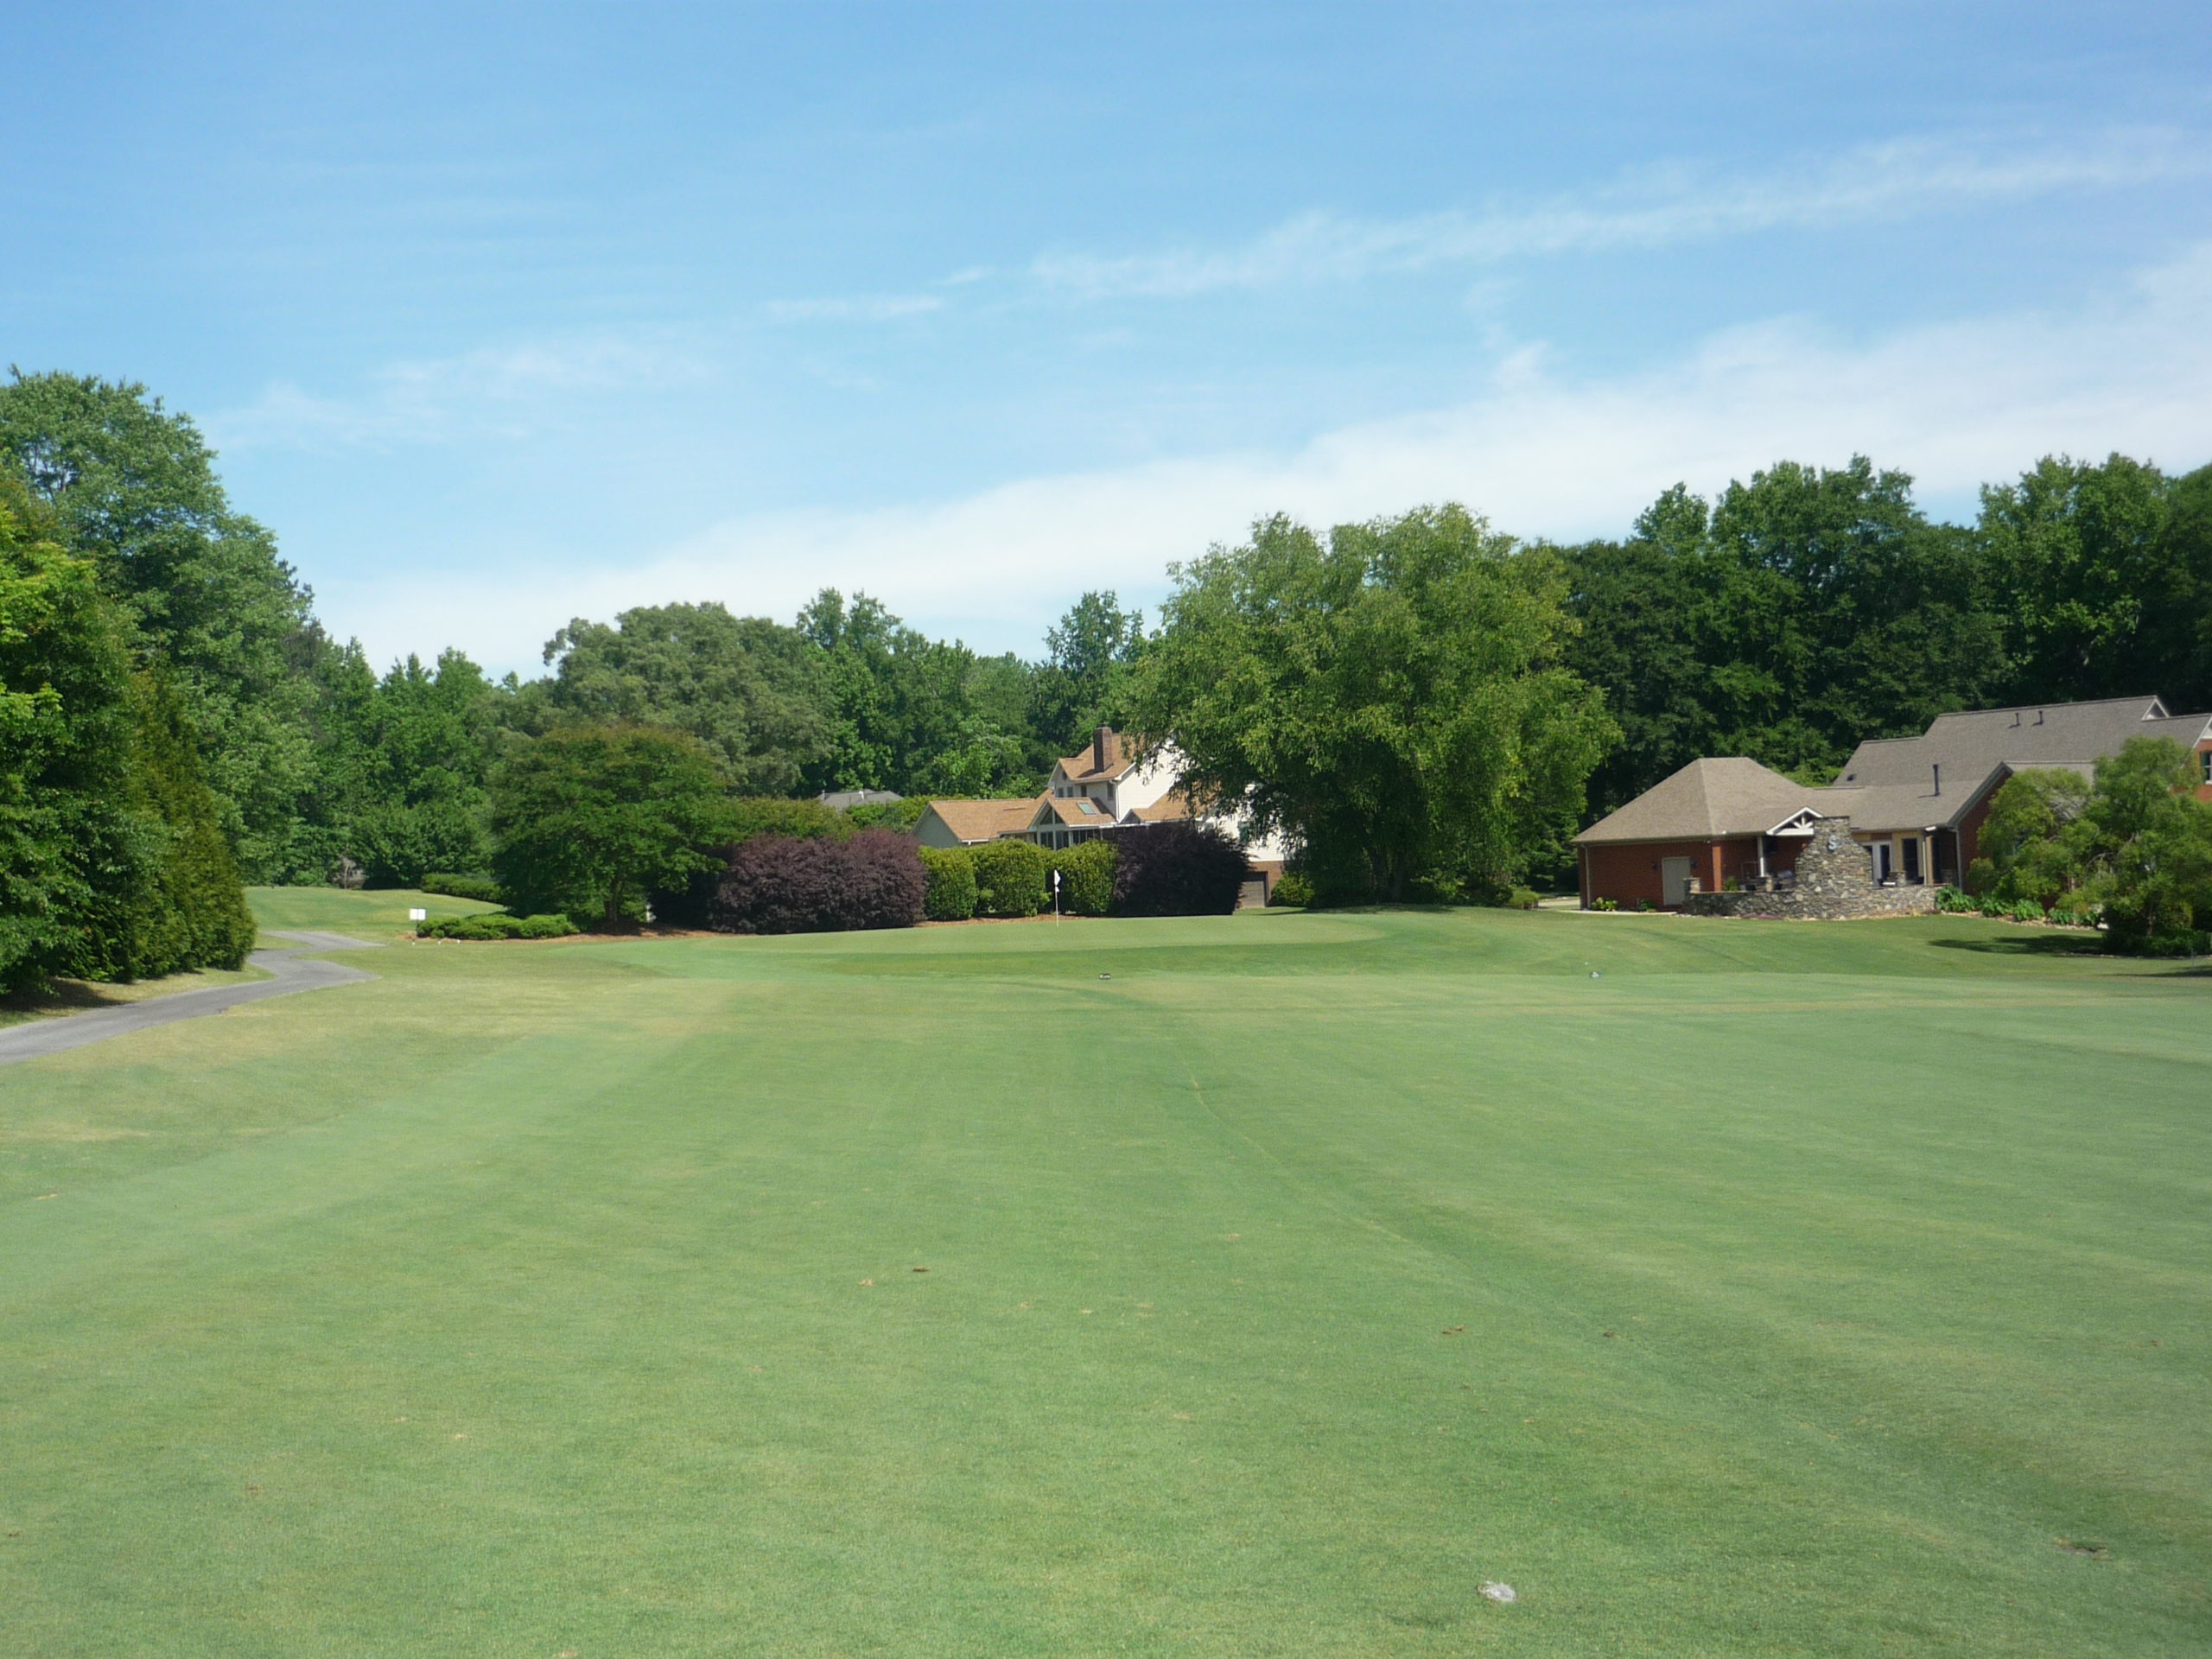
(500, 315)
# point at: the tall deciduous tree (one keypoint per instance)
(135, 488)
(2077, 549)
(405, 764)
(1809, 609)
(748, 689)
(1083, 682)
(589, 819)
(1393, 698)
(911, 713)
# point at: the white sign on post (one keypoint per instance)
(418, 915)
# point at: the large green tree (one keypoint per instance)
(590, 819)
(1083, 681)
(2076, 550)
(1808, 609)
(112, 864)
(750, 689)
(2149, 849)
(912, 714)
(200, 587)
(404, 763)
(1391, 697)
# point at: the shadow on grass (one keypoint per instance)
(2081, 946)
(2029, 944)
(60, 996)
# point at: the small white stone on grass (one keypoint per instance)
(1500, 1592)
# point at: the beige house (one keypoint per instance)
(970, 823)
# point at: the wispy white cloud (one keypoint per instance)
(866, 308)
(1651, 207)
(508, 392)
(1542, 454)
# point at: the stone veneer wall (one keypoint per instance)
(1835, 882)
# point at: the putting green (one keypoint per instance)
(1725, 1289)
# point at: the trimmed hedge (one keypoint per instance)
(1086, 872)
(498, 924)
(783, 883)
(1178, 869)
(951, 894)
(1009, 879)
(480, 888)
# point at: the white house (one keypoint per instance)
(1120, 781)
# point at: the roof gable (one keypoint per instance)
(1729, 795)
(984, 820)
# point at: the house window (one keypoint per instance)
(2205, 755)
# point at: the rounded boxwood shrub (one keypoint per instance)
(1009, 878)
(1177, 868)
(1086, 872)
(1292, 888)
(951, 894)
(785, 884)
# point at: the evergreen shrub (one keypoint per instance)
(787, 884)
(497, 924)
(1086, 871)
(1178, 869)
(951, 894)
(482, 888)
(1009, 878)
(1293, 888)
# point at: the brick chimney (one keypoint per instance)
(1099, 741)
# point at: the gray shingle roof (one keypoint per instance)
(1895, 782)
(1970, 747)
(1724, 796)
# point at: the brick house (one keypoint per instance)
(1914, 805)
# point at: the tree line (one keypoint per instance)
(1429, 706)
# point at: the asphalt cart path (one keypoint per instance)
(292, 969)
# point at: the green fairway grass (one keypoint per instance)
(1725, 1288)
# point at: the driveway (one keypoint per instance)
(293, 968)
